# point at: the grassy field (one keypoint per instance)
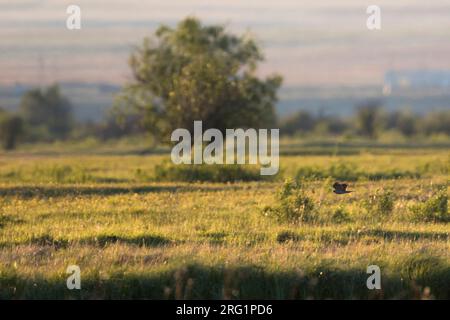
(136, 237)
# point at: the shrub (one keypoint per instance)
(340, 216)
(381, 203)
(385, 203)
(293, 206)
(287, 236)
(434, 209)
(211, 173)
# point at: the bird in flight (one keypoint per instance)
(340, 188)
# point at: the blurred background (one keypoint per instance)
(333, 66)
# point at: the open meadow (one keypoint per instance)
(137, 232)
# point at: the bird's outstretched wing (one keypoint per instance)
(339, 187)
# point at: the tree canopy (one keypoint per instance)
(47, 113)
(10, 129)
(195, 72)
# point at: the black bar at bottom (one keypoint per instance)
(226, 309)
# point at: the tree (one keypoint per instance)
(10, 130)
(196, 72)
(368, 118)
(47, 111)
(302, 121)
(437, 122)
(404, 121)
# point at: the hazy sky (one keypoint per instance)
(316, 42)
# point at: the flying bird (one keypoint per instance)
(340, 188)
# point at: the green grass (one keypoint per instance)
(135, 236)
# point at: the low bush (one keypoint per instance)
(434, 209)
(340, 215)
(293, 205)
(381, 203)
(167, 171)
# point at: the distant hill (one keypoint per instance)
(343, 100)
(418, 79)
(92, 100)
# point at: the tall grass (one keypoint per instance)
(351, 172)
(136, 237)
(381, 203)
(435, 209)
